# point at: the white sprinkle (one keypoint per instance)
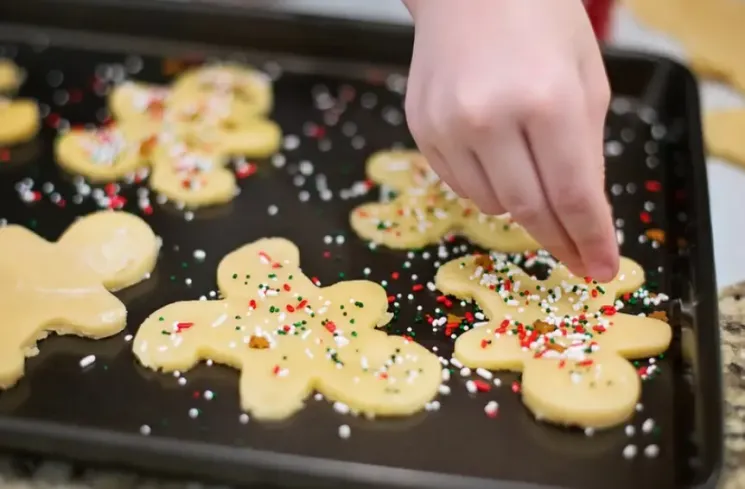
(630, 430)
(209, 395)
(444, 390)
(128, 338)
(445, 374)
(344, 431)
(639, 407)
(651, 451)
(145, 430)
(471, 387)
(454, 361)
(193, 413)
(629, 452)
(182, 381)
(465, 372)
(498, 382)
(318, 396)
(648, 426)
(341, 408)
(484, 374)
(589, 431)
(272, 210)
(199, 255)
(243, 418)
(87, 361)
(491, 408)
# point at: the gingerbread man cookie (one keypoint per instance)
(425, 210)
(290, 337)
(723, 131)
(710, 31)
(63, 287)
(186, 135)
(564, 333)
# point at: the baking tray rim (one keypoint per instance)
(34, 435)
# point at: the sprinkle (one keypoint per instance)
(344, 431)
(341, 408)
(630, 430)
(471, 387)
(87, 361)
(209, 395)
(629, 452)
(243, 418)
(651, 451)
(491, 409)
(193, 413)
(145, 430)
(648, 425)
(199, 255)
(444, 389)
(465, 372)
(483, 373)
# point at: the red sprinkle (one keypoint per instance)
(653, 185)
(585, 363)
(394, 275)
(330, 326)
(286, 287)
(290, 308)
(645, 217)
(482, 386)
(252, 304)
(182, 326)
(516, 387)
(608, 310)
(245, 171)
(275, 370)
(302, 304)
(417, 287)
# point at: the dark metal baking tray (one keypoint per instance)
(656, 179)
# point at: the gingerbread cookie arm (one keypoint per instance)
(19, 121)
(120, 247)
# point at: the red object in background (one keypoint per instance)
(599, 12)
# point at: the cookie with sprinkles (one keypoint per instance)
(289, 337)
(242, 92)
(565, 334)
(64, 287)
(424, 210)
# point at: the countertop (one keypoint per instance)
(727, 189)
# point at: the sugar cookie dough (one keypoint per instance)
(425, 210)
(62, 287)
(289, 337)
(723, 132)
(186, 133)
(11, 76)
(710, 31)
(19, 121)
(565, 334)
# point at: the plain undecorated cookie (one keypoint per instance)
(564, 333)
(64, 287)
(290, 337)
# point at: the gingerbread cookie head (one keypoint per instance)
(51, 288)
(289, 337)
(138, 102)
(19, 121)
(244, 92)
(564, 333)
(424, 210)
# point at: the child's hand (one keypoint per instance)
(507, 100)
